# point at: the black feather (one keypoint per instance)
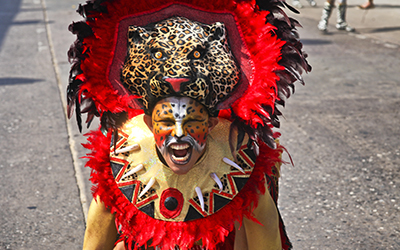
(115, 139)
(75, 100)
(265, 134)
(112, 121)
(240, 139)
(104, 130)
(291, 8)
(81, 29)
(78, 114)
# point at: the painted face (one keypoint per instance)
(180, 127)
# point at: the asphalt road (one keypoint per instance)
(341, 130)
(39, 196)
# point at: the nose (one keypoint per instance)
(178, 131)
(176, 82)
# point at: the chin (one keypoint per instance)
(179, 170)
(179, 167)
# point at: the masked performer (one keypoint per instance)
(199, 169)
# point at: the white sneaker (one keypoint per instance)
(323, 26)
(344, 26)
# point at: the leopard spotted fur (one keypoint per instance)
(180, 48)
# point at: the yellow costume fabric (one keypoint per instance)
(251, 235)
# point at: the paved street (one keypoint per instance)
(341, 129)
(40, 205)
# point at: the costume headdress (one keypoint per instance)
(262, 39)
(107, 81)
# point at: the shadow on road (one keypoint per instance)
(17, 80)
(379, 30)
(315, 41)
(7, 13)
(377, 6)
(27, 22)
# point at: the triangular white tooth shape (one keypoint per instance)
(215, 177)
(132, 171)
(233, 164)
(148, 186)
(200, 195)
(127, 149)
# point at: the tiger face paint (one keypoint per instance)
(180, 126)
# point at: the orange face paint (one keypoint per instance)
(180, 128)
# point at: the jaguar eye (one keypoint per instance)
(196, 54)
(158, 55)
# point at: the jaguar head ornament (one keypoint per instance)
(180, 57)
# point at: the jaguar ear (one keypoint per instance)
(218, 31)
(136, 34)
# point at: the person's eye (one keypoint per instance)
(167, 123)
(194, 121)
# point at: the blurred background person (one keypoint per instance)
(341, 16)
(297, 4)
(367, 5)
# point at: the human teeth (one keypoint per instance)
(180, 158)
(179, 146)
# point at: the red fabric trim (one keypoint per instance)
(146, 201)
(141, 228)
(197, 207)
(246, 158)
(121, 173)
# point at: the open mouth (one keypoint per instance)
(180, 152)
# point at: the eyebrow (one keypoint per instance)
(196, 117)
(164, 116)
(164, 120)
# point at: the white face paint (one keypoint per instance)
(180, 126)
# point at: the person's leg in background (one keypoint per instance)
(341, 23)
(326, 13)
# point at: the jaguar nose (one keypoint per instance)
(176, 82)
